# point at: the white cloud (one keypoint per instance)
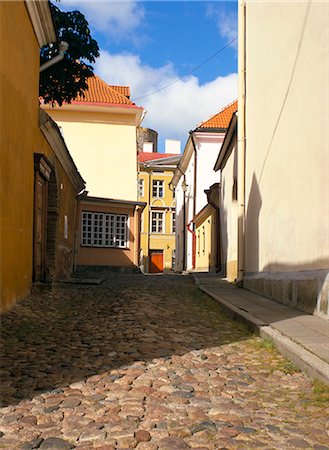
(117, 18)
(226, 21)
(172, 111)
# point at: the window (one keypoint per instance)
(141, 188)
(173, 224)
(157, 188)
(156, 222)
(104, 230)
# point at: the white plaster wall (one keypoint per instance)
(179, 239)
(189, 196)
(207, 153)
(287, 137)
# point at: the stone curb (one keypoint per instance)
(304, 359)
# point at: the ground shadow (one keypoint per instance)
(70, 332)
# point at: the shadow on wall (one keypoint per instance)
(223, 233)
(303, 286)
(252, 226)
(71, 332)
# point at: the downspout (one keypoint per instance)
(241, 138)
(62, 48)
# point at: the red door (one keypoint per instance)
(156, 261)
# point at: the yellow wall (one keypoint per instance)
(205, 255)
(20, 136)
(67, 207)
(103, 146)
(157, 241)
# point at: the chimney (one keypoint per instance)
(172, 146)
(148, 147)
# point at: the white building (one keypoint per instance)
(192, 177)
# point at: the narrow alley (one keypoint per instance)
(147, 362)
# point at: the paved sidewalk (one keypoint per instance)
(301, 337)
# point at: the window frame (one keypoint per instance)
(158, 187)
(163, 223)
(173, 222)
(104, 230)
(141, 187)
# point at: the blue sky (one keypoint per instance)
(149, 44)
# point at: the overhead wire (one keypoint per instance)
(188, 73)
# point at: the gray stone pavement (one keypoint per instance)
(149, 363)
(302, 337)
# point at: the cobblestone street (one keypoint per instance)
(147, 362)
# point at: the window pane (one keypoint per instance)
(86, 231)
(98, 229)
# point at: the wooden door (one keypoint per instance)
(156, 261)
(39, 238)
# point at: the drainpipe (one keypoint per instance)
(62, 48)
(241, 138)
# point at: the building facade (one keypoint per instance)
(109, 232)
(192, 179)
(39, 181)
(159, 217)
(100, 129)
(283, 153)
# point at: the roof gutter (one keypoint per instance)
(62, 48)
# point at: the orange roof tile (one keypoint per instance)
(124, 90)
(146, 156)
(221, 119)
(100, 92)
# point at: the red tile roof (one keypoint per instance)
(221, 119)
(124, 90)
(145, 156)
(100, 92)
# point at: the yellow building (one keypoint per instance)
(207, 244)
(100, 130)
(158, 219)
(38, 180)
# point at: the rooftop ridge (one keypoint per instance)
(217, 115)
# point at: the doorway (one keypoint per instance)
(45, 219)
(156, 261)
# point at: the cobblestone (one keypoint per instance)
(148, 363)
